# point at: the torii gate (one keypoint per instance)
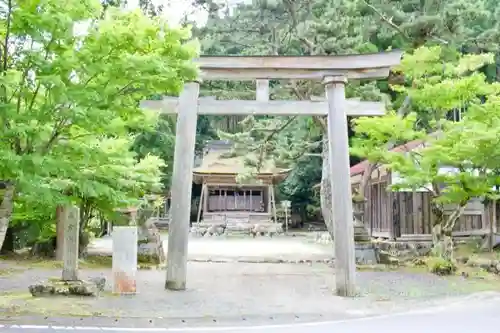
(334, 71)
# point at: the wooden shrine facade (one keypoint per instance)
(223, 197)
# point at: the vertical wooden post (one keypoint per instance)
(182, 179)
(251, 201)
(269, 200)
(415, 225)
(225, 201)
(273, 206)
(345, 266)
(205, 199)
(245, 199)
(219, 205)
(201, 203)
(71, 225)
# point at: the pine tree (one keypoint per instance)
(333, 27)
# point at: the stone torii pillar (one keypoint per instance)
(182, 178)
(338, 154)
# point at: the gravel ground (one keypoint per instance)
(240, 248)
(227, 291)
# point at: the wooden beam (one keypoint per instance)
(182, 179)
(210, 106)
(338, 154)
(353, 61)
(359, 66)
(290, 74)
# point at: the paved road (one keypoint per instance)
(462, 317)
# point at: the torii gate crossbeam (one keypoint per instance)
(334, 71)
(210, 106)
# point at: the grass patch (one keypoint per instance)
(473, 248)
(8, 271)
(26, 260)
(97, 262)
(21, 303)
(464, 278)
(90, 262)
(392, 268)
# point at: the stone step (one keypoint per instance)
(208, 224)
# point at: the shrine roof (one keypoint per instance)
(214, 162)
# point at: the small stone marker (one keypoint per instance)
(124, 260)
(286, 207)
(71, 223)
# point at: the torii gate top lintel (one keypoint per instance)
(357, 66)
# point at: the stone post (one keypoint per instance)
(124, 262)
(70, 216)
(338, 145)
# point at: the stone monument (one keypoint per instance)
(365, 251)
(124, 263)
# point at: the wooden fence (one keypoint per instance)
(407, 215)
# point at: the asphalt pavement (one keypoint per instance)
(467, 316)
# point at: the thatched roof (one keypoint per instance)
(213, 162)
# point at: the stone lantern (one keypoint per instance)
(361, 233)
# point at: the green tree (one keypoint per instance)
(442, 83)
(297, 28)
(352, 26)
(69, 79)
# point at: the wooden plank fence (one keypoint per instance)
(408, 215)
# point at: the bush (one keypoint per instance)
(441, 266)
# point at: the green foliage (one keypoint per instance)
(440, 266)
(437, 89)
(357, 26)
(454, 161)
(69, 94)
(414, 23)
(159, 142)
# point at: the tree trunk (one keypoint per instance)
(59, 232)
(326, 188)
(442, 240)
(6, 205)
(86, 214)
(9, 241)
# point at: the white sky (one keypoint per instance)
(174, 10)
